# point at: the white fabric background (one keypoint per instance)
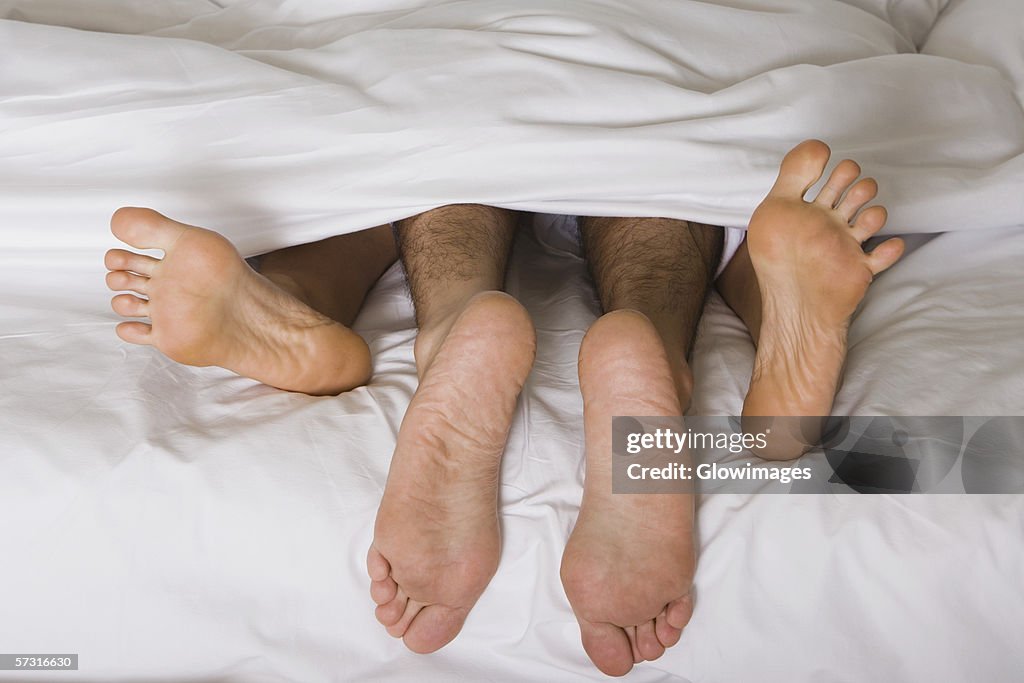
(186, 524)
(284, 123)
(173, 523)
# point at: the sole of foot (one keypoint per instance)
(812, 273)
(436, 539)
(208, 307)
(629, 562)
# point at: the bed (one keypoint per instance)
(170, 523)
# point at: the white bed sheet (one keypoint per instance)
(174, 523)
(182, 524)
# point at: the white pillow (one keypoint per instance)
(986, 32)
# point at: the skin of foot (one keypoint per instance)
(208, 307)
(630, 559)
(812, 273)
(436, 539)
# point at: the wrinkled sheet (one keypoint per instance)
(174, 523)
(186, 524)
(286, 123)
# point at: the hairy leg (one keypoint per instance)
(660, 267)
(208, 307)
(436, 541)
(652, 276)
(450, 255)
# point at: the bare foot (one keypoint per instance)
(812, 273)
(630, 559)
(208, 307)
(436, 541)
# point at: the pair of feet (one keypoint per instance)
(436, 543)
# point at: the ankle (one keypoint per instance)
(682, 375)
(429, 339)
(436, 322)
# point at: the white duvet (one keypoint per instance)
(173, 523)
(283, 123)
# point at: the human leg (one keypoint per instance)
(660, 267)
(652, 276)
(334, 275)
(436, 541)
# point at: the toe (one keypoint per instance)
(130, 306)
(678, 612)
(398, 629)
(860, 194)
(869, 222)
(668, 635)
(801, 168)
(119, 259)
(631, 635)
(608, 647)
(885, 254)
(842, 177)
(647, 641)
(145, 228)
(384, 591)
(122, 280)
(134, 332)
(377, 565)
(434, 627)
(391, 613)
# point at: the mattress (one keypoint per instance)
(170, 523)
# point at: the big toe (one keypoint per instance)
(608, 647)
(434, 627)
(801, 168)
(145, 228)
